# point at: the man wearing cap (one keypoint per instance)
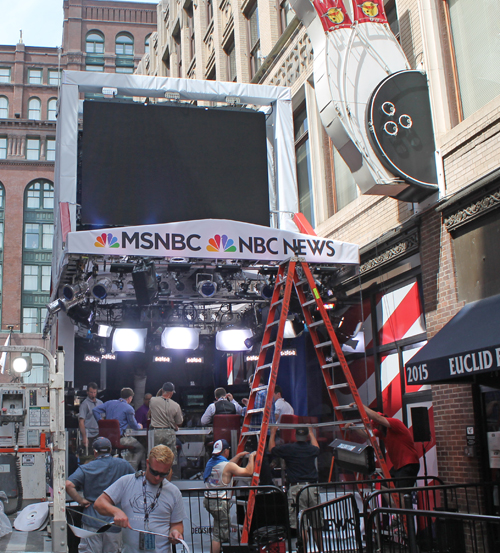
(399, 445)
(300, 458)
(219, 473)
(166, 417)
(86, 421)
(123, 412)
(93, 478)
(146, 505)
(224, 404)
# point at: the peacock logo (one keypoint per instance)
(221, 244)
(112, 241)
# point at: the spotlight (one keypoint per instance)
(72, 290)
(206, 288)
(233, 339)
(180, 337)
(66, 305)
(21, 364)
(178, 284)
(101, 288)
(164, 291)
(293, 328)
(129, 339)
(54, 306)
(104, 331)
(265, 290)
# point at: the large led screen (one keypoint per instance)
(143, 164)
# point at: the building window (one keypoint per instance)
(286, 14)
(34, 109)
(33, 148)
(98, 68)
(124, 50)
(346, 190)
(4, 74)
(94, 43)
(3, 147)
(4, 107)
(392, 17)
(190, 26)
(54, 77)
(35, 76)
(475, 41)
(37, 253)
(209, 13)
(50, 154)
(146, 44)
(303, 157)
(231, 63)
(52, 109)
(253, 40)
(178, 52)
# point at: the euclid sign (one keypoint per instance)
(212, 239)
(446, 368)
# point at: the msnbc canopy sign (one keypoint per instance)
(211, 239)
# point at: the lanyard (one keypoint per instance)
(149, 509)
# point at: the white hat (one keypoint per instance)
(220, 446)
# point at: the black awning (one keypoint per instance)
(467, 345)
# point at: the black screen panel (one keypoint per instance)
(150, 164)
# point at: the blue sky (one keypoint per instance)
(40, 20)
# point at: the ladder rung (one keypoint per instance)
(323, 345)
(276, 303)
(270, 345)
(274, 323)
(251, 433)
(262, 367)
(336, 386)
(259, 410)
(310, 302)
(301, 282)
(330, 365)
(344, 407)
(280, 282)
(316, 323)
(259, 388)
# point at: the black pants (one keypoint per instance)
(408, 475)
(265, 470)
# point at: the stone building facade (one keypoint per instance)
(415, 258)
(29, 80)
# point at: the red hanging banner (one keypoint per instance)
(365, 12)
(333, 14)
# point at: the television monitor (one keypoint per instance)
(160, 163)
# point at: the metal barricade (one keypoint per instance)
(223, 518)
(450, 532)
(331, 526)
(360, 488)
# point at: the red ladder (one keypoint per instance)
(308, 294)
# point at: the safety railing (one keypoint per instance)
(391, 530)
(220, 518)
(331, 526)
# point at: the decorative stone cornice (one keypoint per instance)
(404, 247)
(471, 212)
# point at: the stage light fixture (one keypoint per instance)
(252, 358)
(178, 284)
(145, 283)
(108, 356)
(104, 331)
(233, 339)
(293, 328)
(265, 290)
(89, 358)
(180, 337)
(206, 288)
(101, 288)
(161, 359)
(54, 306)
(66, 305)
(21, 365)
(129, 339)
(198, 360)
(354, 456)
(72, 290)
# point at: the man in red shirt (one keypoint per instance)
(399, 446)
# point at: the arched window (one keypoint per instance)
(124, 50)
(37, 253)
(94, 43)
(52, 109)
(4, 107)
(34, 109)
(146, 44)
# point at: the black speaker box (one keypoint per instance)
(420, 423)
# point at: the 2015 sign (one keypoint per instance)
(416, 373)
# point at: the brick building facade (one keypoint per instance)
(405, 247)
(29, 80)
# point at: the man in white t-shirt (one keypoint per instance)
(146, 501)
(281, 406)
